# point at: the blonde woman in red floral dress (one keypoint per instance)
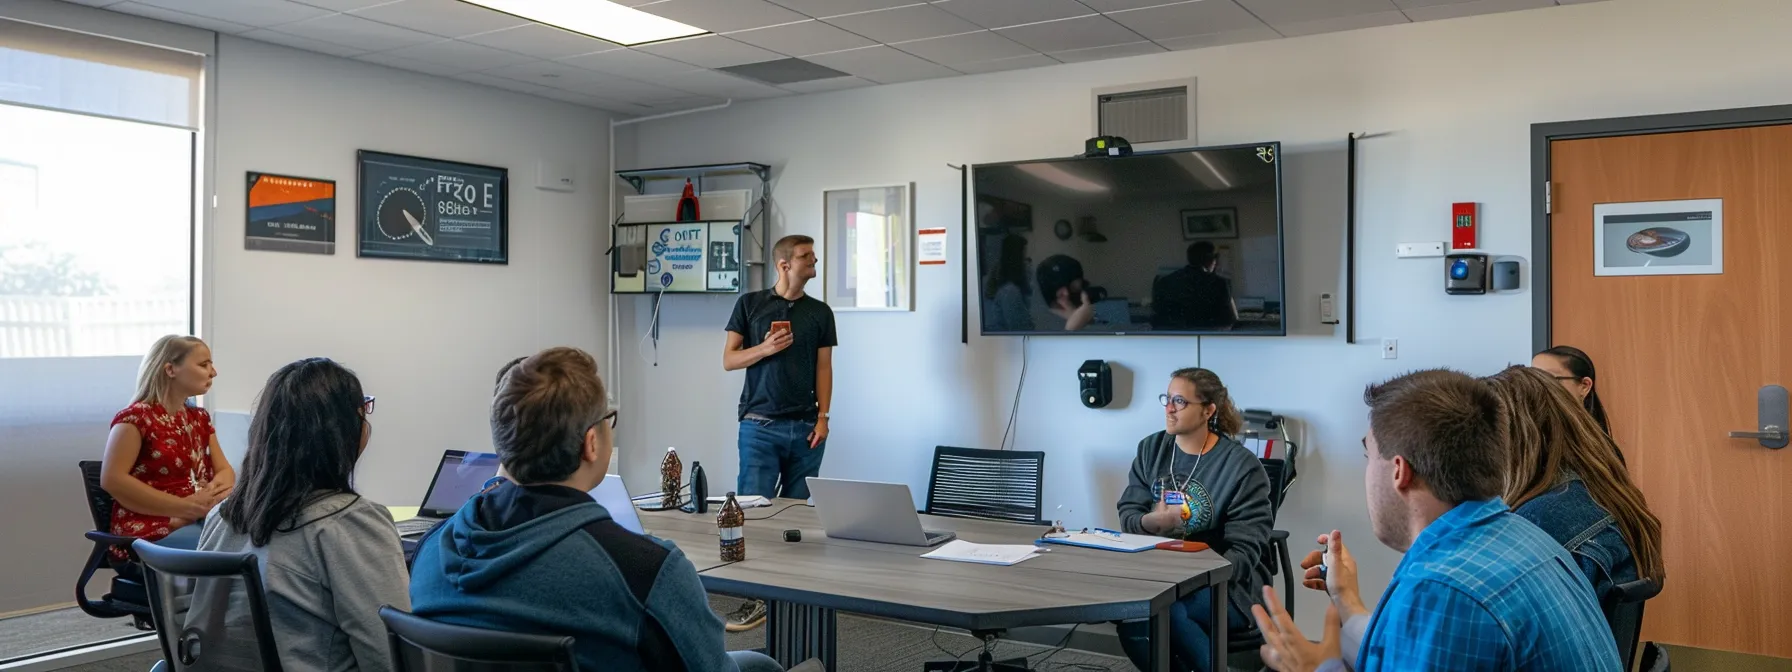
(163, 466)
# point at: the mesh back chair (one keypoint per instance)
(1004, 485)
(419, 645)
(1277, 470)
(1626, 617)
(128, 596)
(210, 610)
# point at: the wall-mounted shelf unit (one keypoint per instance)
(750, 243)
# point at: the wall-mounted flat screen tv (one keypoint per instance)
(1157, 243)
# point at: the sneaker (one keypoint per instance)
(751, 614)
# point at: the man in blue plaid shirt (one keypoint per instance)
(1480, 588)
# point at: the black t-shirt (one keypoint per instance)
(782, 385)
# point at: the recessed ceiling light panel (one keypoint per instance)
(601, 19)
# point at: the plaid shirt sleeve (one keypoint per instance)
(1436, 626)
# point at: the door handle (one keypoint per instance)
(1772, 408)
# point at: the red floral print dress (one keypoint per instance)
(176, 458)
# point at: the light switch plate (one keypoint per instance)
(1418, 250)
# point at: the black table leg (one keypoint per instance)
(1160, 641)
(1221, 614)
(797, 632)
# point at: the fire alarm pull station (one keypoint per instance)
(1462, 229)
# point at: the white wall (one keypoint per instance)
(1455, 100)
(427, 338)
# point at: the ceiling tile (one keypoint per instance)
(884, 65)
(258, 13)
(966, 48)
(611, 87)
(629, 63)
(1409, 4)
(1472, 8)
(805, 38)
(1122, 5)
(503, 83)
(721, 85)
(723, 16)
(834, 84)
(96, 3)
(1069, 34)
(1278, 12)
(353, 31)
(305, 43)
(1105, 53)
(827, 8)
(1200, 17)
(546, 73)
(915, 22)
(447, 18)
(542, 41)
(182, 18)
(1221, 39)
(426, 67)
(461, 56)
(343, 5)
(710, 51)
(1342, 23)
(1003, 64)
(1005, 13)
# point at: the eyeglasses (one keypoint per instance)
(1178, 402)
(609, 419)
(367, 405)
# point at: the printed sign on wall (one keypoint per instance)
(290, 214)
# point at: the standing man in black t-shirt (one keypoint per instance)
(785, 340)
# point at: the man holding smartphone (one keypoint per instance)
(785, 340)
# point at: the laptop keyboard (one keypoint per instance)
(416, 526)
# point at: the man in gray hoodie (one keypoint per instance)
(537, 554)
(1194, 481)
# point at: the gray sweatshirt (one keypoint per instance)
(1228, 496)
(325, 576)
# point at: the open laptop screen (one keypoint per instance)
(459, 477)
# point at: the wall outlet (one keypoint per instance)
(1390, 348)
(1418, 250)
(1328, 309)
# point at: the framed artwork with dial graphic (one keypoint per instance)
(432, 209)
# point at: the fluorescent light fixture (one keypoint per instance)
(601, 19)
(1057, 175)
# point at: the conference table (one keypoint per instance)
(806, 583)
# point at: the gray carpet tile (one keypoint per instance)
(58, 629)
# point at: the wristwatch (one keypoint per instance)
(823, 415)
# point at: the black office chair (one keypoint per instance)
(1626, 617)
(419, 644)
(1005, 485)
(128, 596)
(1278, 471)
(210, 610)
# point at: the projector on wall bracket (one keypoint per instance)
(1106, 145)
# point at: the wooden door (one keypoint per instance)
(1681, 359)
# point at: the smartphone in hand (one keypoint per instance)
(780, 325)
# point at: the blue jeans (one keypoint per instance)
(754, 661)
(775, 458)
(1190, 647)
(186, 538)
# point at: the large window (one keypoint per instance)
(96, 223)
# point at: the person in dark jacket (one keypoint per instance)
(1194, 481)
(537, 554)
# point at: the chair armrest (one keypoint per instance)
(109, 540)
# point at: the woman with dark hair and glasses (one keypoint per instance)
(1194, 481)
(329, 558)
(1573, 369)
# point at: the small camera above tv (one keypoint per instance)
(1176, 242)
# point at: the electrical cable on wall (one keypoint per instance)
(1014, 412)
(653, 331)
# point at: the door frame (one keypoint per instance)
(1545, 133)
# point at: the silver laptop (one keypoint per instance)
(613, 495)
(871, 511)
(460, 475)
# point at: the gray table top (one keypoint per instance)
(1065, 584)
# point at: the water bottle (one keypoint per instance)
(732, 523)
(671, 475)
(699, 488)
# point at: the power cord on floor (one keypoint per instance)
(1061, 646)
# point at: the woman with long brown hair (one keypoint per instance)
(1564, 474)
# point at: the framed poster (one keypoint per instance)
(1659, 238)
(432, 210)
(869, 248)
(1209, 223)
(290, 214)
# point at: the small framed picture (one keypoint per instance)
(1659, 238)
(1209, 223)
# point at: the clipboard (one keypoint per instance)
(1122, 543)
